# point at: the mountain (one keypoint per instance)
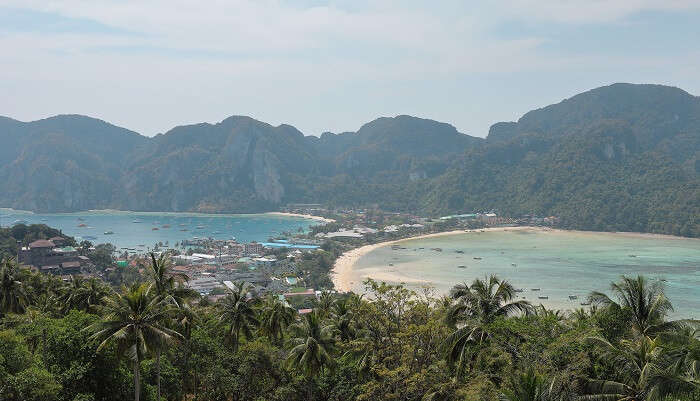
(62, 163)
(239, 164)
(619, 157)
(387, 143)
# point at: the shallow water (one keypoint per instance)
(559, 263)
(127, 233)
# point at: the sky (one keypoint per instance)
(151, 65)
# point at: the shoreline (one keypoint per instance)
(193, 214)
(306, 216)
(342, 271)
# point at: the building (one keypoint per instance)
(253, 248)
(47, 256)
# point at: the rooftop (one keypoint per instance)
(42, 243)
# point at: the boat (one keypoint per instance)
(632, 256)
(514, 265)
(543, 297)
(108, 232)
(436, 249)
(20, 222)
(155, 229)
(459, 251)
(391, 264)
(518, 290)
(82, 225)
(535, 289)
(572, 297)
(200, 227)
(184, 229)
(461, 267)
(136, 221)
(477, 258)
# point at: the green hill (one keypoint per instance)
(620, 157)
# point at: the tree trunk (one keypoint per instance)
(158, 372)
(310, 390)
(137, 384)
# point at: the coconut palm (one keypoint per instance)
(342, 317)
(644, 299)
(133, 320)
(276, 316)
(13, 296)
(325, 303)
(646, 373)
(312, 347)
(531, 386)
(237, 311)
(476, 306)
(169, 286)
(82, 294)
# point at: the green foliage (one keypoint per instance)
(392, 343)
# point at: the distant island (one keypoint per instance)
(623, 157)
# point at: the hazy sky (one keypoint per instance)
(150, 65)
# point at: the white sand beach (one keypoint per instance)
(307, 216)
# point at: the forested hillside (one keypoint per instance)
(620, 157)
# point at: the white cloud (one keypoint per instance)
(323, 67)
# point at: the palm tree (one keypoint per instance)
(646, 373)
(325, 303)
(83, 294)
(276, 316)
(133, 320)
(477, 305)
(169, 287)
(13, 297)
(312, 347)
(343, 317)
(645, 300)
(238, 313)
(530, 386)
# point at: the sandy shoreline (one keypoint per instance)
(342, 272)
(306, 216)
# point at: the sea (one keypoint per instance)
(553, 264)
(142, 230)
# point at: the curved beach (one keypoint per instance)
(344, 277)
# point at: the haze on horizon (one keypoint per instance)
(332, 65)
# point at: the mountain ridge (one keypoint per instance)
(612, 139)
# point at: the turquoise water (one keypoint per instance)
(559, 263)
(131, 234)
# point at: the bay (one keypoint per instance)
(131, 229)
(558, 263)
